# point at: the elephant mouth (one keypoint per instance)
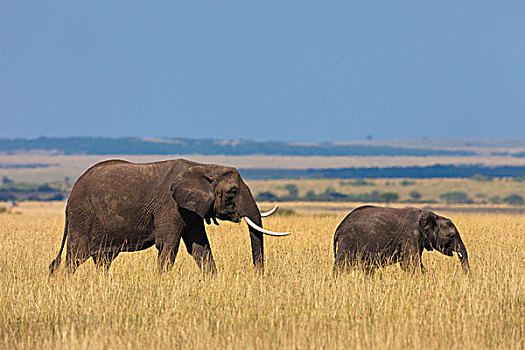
(234, 217)
(448, 249)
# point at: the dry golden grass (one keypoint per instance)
(296, 303)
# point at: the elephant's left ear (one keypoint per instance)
(427, 227)
(193, 189)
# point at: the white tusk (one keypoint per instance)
(260, 229)
(270, 212)
(460, 255)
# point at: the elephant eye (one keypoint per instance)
(233, 191)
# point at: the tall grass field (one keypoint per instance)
(295, 304)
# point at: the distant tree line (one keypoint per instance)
(329, 195)
(11, 191)
(508, 154)
(434, 171)
(131, 145)
(460, 197)
(27, 165)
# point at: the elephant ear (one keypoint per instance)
(427, 227)
(193, 189)
(246, 205)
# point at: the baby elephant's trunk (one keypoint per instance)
(463, 256)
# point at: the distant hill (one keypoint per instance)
(144, 146)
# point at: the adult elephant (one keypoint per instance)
(373, 236)
(118, 206)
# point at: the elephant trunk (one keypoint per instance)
(256, 239)
(247, 207)
(463, 256)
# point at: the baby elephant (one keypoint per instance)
(374, 236)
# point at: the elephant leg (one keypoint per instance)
(368, 262)
(167, 233)
(410, 258)
(104, 260)
(167, 254)
(197, 244)
(75, 256)
(411, 263)
(421, 267)
(338, 267)
(369, 267)
(77, 251)
(342, 261)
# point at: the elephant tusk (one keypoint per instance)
(260, 229)
(270, 212)
(460, 255)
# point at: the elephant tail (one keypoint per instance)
(56, 262)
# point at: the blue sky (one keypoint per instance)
(307, 71)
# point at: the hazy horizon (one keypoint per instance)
(441, 140)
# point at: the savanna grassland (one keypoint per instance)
(295, 303)
(429, 190)
(72, 166)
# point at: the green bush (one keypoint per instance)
(495, 199)
(481, 178)
(45, 188)
(310, 196)
(6, 180)
(285, 212)
(357, 182)
(6, 197)
(514, 199)
(456, 197)
(266, 196)
(331, 195)
(389, 197)
(415, 195)
(376, 197)
(293, 191)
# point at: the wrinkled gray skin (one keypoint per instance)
(374, 236)
(117, 206)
